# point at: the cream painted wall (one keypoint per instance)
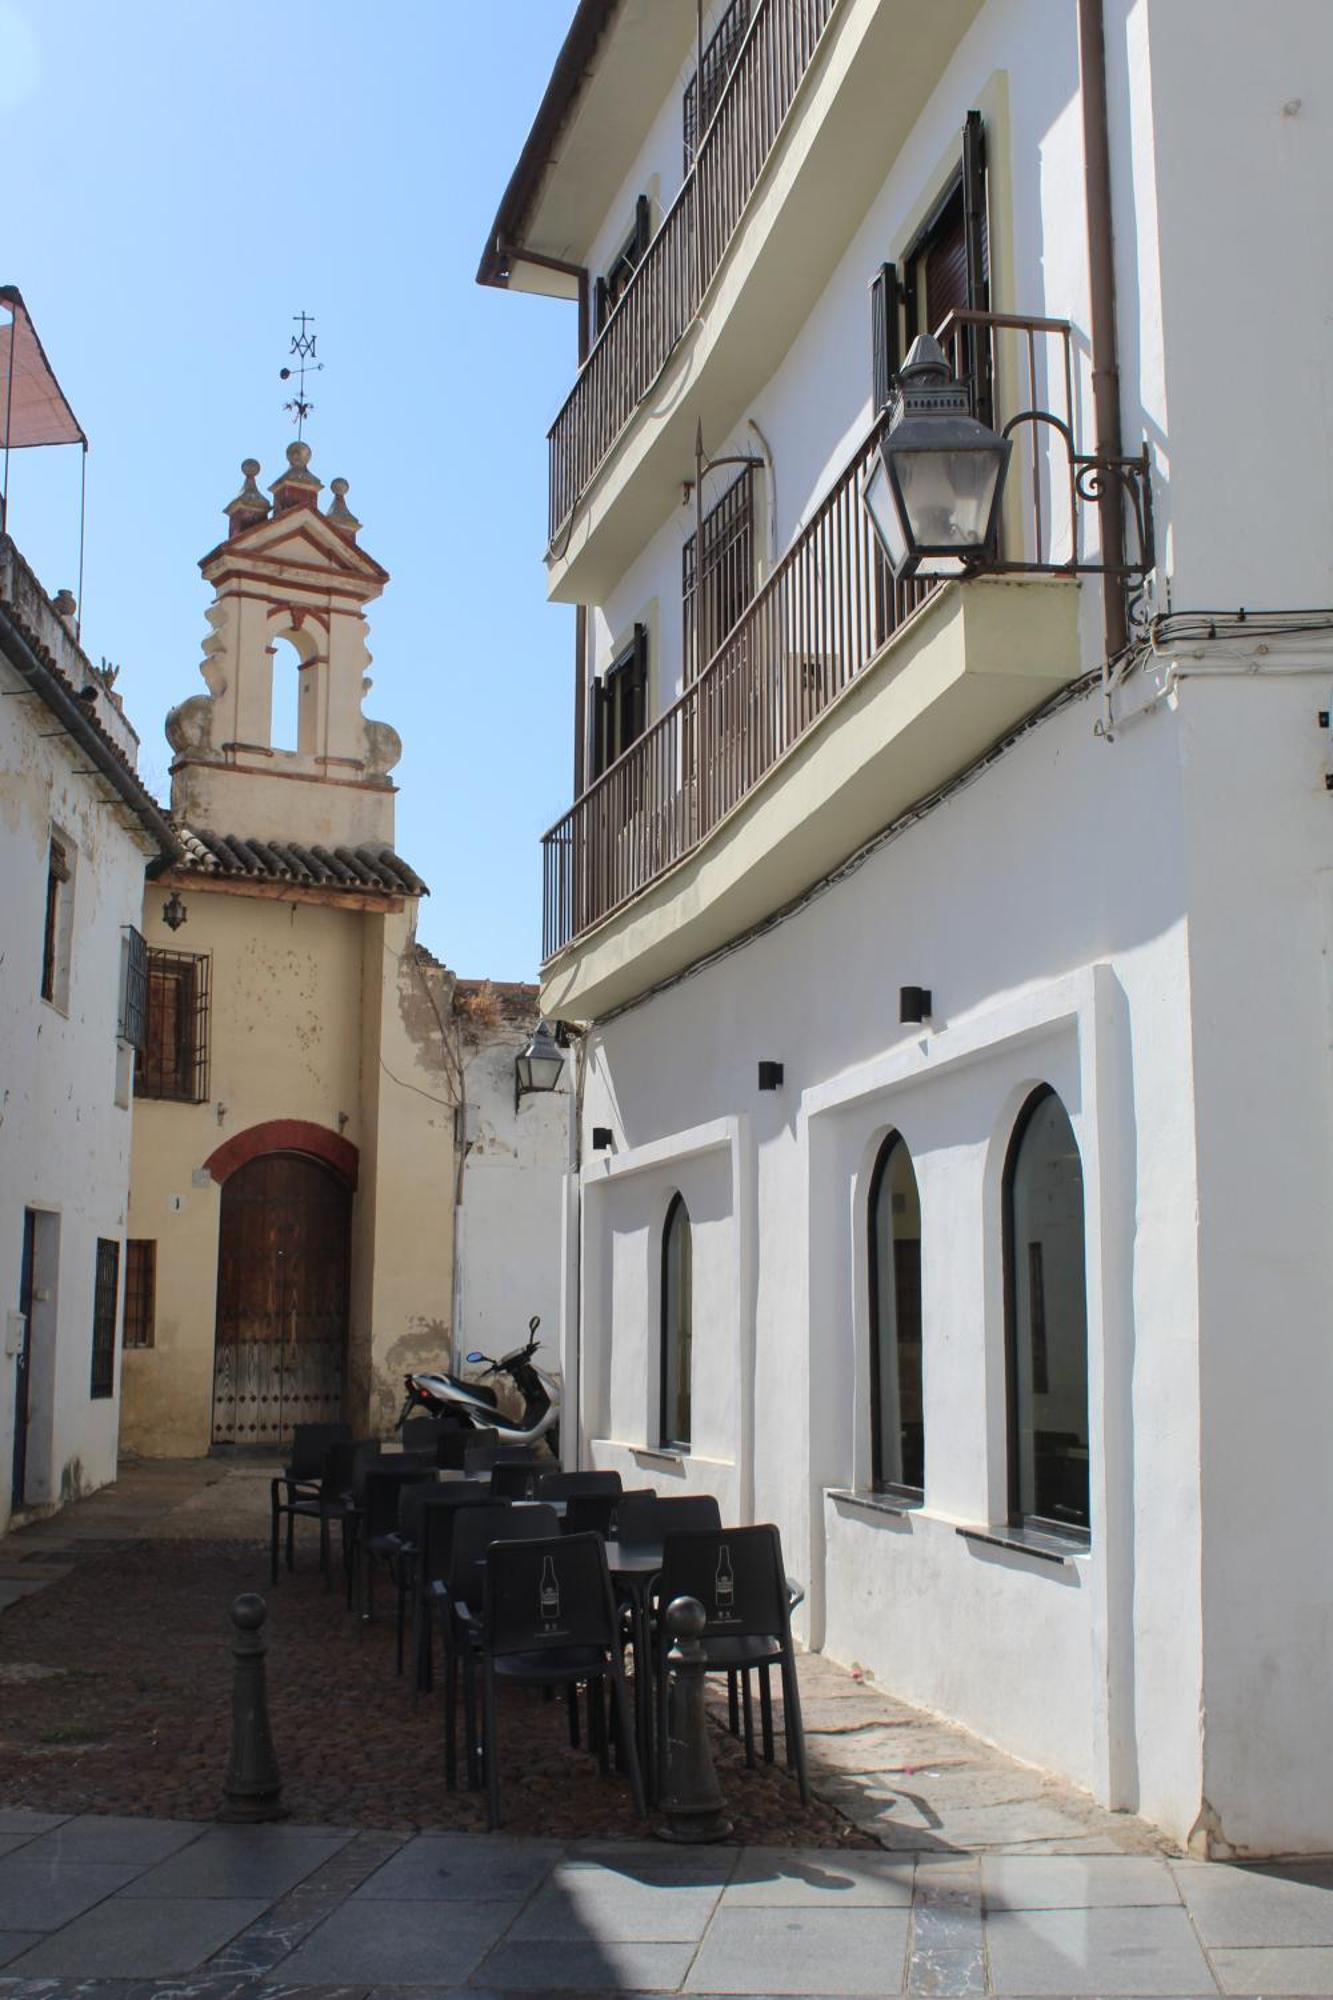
(317, 1014)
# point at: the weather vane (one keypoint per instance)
(303, 347)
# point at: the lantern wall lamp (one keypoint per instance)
(538, 1066)
(934, 489)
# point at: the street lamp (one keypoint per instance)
(538, 1066)
(934, 489)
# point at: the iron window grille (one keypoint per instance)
(140, 1292)
(105, 1288)
(719, 59)
(173, 1062)
(728, 571)
(132, 1026)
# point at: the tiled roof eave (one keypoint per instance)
(369, 869)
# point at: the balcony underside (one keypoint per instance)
(971, 664)
(857, 106)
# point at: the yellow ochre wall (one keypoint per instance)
(316, 1012)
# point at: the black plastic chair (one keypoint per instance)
(344, 1462)
(511, 1478)
(550, 1620)
(737, 1575)
(642, 1520)
(460, 1596)
(378, 1537)
(425, 1524)
(575, 1485)
(299, 1480)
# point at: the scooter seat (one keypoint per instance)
(480, 1392)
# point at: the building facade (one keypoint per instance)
(78, 830)
(948, 952)
(298, 1146)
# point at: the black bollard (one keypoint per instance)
(691, 1797)
(253, 1785)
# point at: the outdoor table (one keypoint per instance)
(634, 1568)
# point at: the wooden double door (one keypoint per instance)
(284, 1257)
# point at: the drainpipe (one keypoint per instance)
(1102, 306)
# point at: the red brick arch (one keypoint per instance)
(285, 1135)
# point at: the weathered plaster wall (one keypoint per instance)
(64, 1137)
(317, 1014)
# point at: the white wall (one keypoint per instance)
(64, 1138)
(511, 1218)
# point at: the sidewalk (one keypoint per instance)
(128, 1909)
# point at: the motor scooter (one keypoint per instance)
(474, 1405)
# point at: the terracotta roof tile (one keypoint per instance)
(376, 869)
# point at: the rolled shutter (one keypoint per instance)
(883, 334)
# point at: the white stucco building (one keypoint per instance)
(78, 830)
(950, 957)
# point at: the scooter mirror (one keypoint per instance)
(475, 1357)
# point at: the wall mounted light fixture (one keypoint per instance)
(601, 1138)
(770, 1076)
(539, 1065)
(913, 1004)
(174, 912)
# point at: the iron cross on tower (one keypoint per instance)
(303, 347)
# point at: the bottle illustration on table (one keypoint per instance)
(724, 1583)
(550, 1592)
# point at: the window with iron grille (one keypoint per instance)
(173, 1061)
(719, 59)
(140, 1291)
(105, 1287)
(728, 571)
(132, 1024)
(55, 951)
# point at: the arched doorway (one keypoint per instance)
(284, 1253)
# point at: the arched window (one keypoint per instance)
(897, 1430)
(1046, 1320)
(677, 1324)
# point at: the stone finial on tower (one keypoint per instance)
(339, 515)
(297, 486)
(249, 506)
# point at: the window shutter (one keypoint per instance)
(599, 306)
(643, 226)
(883, 334)
(977, 249)
(636, 721)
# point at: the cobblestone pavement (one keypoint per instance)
(113, 1698)
(154, 1909)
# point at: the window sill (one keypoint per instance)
(898, 1506)
(662, 1454)
(1028, 1542)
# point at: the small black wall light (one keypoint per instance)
(913, 1004)
(770, 1076)
(601, 1138)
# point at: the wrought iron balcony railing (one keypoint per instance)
(822, 617)
(664, 293)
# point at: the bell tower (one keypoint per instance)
(287, 572)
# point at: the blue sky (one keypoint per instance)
(180, 179)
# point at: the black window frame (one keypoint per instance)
(620, 704)
(106, 1298)
(610, 289)
(185, 1079)
(668, 1437)
(58, 874)
(904, 1489)
(1077, 1533)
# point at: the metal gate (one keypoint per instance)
(283, 1259)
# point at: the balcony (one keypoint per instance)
(664, 293)
(838, 699)
(820, 102)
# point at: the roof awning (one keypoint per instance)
(33, 409)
